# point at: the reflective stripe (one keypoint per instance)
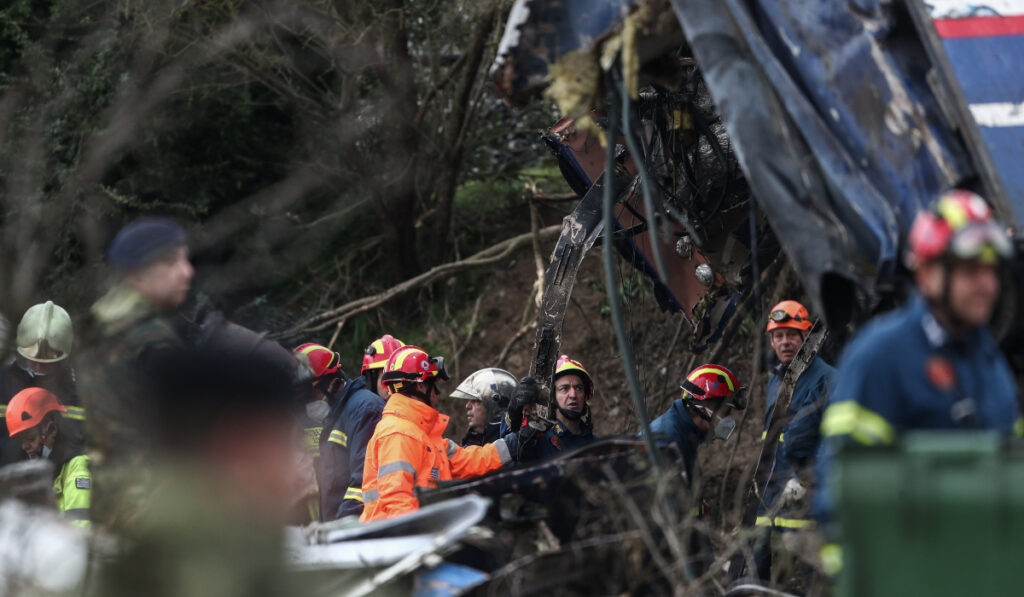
(77, 514)
(863, 425)
(783, 523)
(782, 436)
(1018, 427)
(353, 493)
(713, 371)
(313, 504)
(74, 412)
(452, 448)
(398, 466)
(3, 410)
(339, 438)
(370, 496)
(831, 558)
(503, 452)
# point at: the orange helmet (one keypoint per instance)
(789, 314)
(28, 407)
(322, 360)
(379, 351)
(567, 366)
(412, 364)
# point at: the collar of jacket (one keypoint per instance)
(938, 336)
(121, 307)
(422, 415)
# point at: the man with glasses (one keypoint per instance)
(933, 363)
(782, 505)
(408, 449)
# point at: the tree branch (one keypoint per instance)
(338, 315)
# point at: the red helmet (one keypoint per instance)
(959, 224)
(789, 314)
(567, 366)
(28, 407)
(412, 364)
(709, 382)
(379, 351)
(322, 360)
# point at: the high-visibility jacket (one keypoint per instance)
(407, 450)
(73, 489)
(343, 444)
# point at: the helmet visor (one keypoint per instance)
(984, 241)
(780, 316)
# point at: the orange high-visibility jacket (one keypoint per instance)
(407, 451)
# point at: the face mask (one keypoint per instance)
(317, 410)
(46, 452)
(725, 427)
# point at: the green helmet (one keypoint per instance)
(45, 334)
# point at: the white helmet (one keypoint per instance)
(492, 386)
(45, 334)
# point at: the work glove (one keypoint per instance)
(793, 492)
(521, 443)
(526, 392)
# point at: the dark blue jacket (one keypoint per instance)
(801, 435)
(904, 371)
(555, 440)
(676, 427)
(343, 449)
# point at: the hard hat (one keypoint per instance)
(322, 360)
(412, 364)
(45, 334)
(567, 366)
(711, 382)
(789, 314)
(490, 384)
(28, 407)
(959, 224)
(379, 351)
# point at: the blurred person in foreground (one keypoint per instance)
(223, 480)
(43, 344)
(132, 326)
(933, 363)
(487, 393)
(35, 423)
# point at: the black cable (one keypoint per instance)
(608, 221)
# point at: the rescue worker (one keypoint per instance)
(931, 364)
(34, 421)
(349, 412)
(783, 505)
(407, 450)
(487, 393)
(686, 423)
(43, 344)
(375, 357)
(132, 328)
(224, 481)
(572, 428)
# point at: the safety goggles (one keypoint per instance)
(984, 241)
(780, 316)
(442, 371)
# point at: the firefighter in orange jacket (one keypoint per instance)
(407, 449)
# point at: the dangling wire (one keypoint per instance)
(611, 281)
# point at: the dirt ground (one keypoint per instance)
(661, 344)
